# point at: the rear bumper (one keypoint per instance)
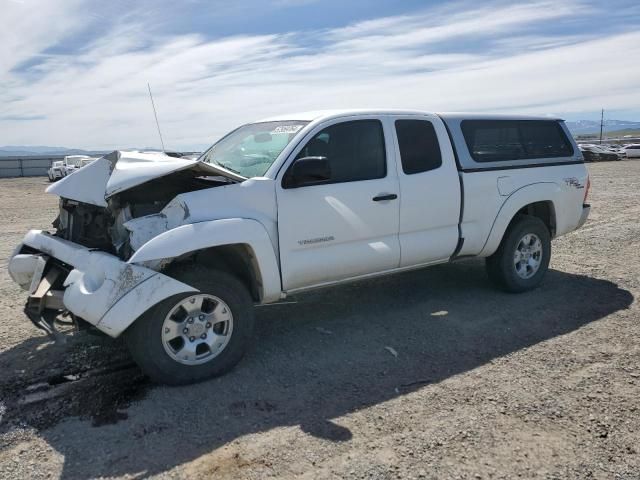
(585, 214)
(100, 288)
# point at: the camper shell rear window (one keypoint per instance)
(504, 140)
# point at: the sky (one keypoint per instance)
(74, 73)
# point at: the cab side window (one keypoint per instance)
(419, 147)
(355, 150)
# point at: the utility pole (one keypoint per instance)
(601, 124)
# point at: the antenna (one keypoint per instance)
(601, 124)
(156, 115)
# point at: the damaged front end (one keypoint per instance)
(134, 185)
(93, 286)
(81, 269)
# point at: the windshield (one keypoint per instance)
(251, 149)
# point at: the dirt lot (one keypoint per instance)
(484, 384)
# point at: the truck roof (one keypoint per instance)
(329, 114)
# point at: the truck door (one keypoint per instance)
(343, 224)
(429, 188)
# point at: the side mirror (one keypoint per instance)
(307, 171)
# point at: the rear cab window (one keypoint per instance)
(504, 140)
(419, 147)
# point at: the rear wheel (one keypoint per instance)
(522, 259)
(191, 337)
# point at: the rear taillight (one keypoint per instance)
(586, 190)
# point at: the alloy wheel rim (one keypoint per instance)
(197, 329)
(527, 257)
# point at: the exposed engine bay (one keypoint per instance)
(103, 227)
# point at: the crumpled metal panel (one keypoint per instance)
(120, 171)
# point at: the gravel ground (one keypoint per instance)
(427, 374)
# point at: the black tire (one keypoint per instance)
(500, 266)
(144, 336)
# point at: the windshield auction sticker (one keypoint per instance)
(286, 129)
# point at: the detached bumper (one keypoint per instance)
(101, 289)
(585, 214)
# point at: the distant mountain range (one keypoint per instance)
(583, 127)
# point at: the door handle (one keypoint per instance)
(384, 196)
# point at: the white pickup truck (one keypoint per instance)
(174, 253)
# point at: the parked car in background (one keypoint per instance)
(56, 171)
(591, 152)
(632, 151)
(607, 153)
(597, 153)
(616, 150)
(74, 162)
(70, 164)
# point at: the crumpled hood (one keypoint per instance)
(119, 171)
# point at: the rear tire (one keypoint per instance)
(522, 259)
(208, 342)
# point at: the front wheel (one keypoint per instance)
(522, 259)
(191, 337)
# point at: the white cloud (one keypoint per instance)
(202, 88)
(28, 28)
(447, 23)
